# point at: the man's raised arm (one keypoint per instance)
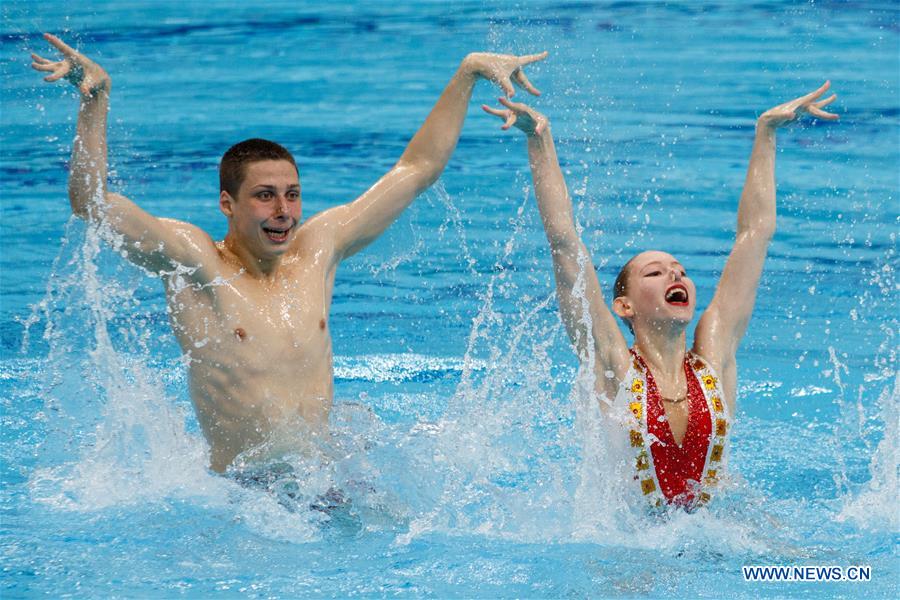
(724, 322)
(155, 244)
(591, 326)
(360, 222)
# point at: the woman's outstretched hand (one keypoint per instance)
(76, 68)
(793, 110)
(522, 116)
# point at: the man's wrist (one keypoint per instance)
(469, 66)
(765, 126)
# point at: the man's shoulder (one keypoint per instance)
(317, 232)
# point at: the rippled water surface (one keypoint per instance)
(470, 466)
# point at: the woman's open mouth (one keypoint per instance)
(677, 295)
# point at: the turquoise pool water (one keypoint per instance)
(459, 439)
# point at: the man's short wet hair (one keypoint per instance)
(233, 168)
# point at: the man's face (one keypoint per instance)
(267, 211)
(659, 289)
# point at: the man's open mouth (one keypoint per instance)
(278, 236)
(677, 295)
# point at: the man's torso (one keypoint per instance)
(259, 350)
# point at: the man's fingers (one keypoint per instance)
(60, 45)
(821, 114)
(523, 81)
(530, 58)
(510, 121)
(507, 87)
(815, 95)
(38, 58)
(826, 101)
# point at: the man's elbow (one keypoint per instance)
(423, 172)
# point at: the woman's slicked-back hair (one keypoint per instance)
(620, 287)
(233, 167)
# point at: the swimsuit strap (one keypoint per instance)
(638, 385)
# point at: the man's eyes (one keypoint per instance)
(292, 196)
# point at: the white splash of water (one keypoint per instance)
(875, 505)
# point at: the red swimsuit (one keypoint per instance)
(679, 469)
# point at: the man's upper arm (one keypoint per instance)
(155, 244)
(357, 224)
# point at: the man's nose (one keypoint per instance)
(280, 205)
(676, 275)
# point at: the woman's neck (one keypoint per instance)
(663, 351)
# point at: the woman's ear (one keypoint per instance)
(622, 307)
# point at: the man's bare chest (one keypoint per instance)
(242, 320)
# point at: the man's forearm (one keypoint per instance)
(756, 211)
(430, 149)
(87, 174)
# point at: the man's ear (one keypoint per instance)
(622, 307)
(225, 202)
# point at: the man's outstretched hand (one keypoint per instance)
(504, 70)
(793, 110)
(77, 69)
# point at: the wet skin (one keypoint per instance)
(251, 311)
(257, 338)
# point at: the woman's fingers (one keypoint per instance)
(58, 74)
(60, 45)
(494, 111)
(508, 116)
(43, 66)
(518, 106)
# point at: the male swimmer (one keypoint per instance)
(675, 403)
(251, 311)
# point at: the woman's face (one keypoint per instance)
(659, 290)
